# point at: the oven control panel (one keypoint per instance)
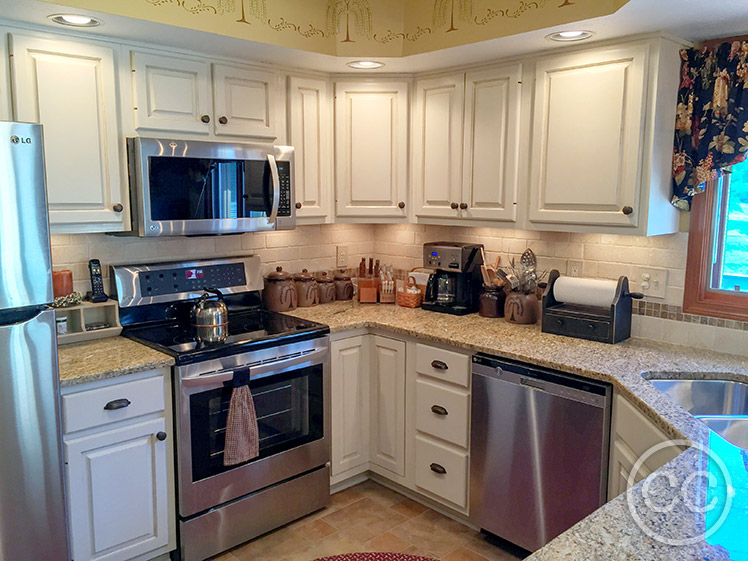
(160, 282)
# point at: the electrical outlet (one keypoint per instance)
(342, 256)
(652, 282)
(574, 268)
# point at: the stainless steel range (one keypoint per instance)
(220, 507)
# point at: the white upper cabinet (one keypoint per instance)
(171, 93)
(602, 139)
(437, 146)
(465, 145)
(310, 133)
(371, 149)
(244, 101)
(5, 109)
(191, 95)
(491, 147)
(70, 88)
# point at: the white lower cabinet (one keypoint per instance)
(119, 473)
(388, 404)
(350, 405)
(633, 436)
(442, 471)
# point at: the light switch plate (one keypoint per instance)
(342, 256)
(652, 282)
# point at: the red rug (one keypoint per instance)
(374, 557)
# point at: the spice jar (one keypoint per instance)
(343, 286)
(492, 302)
(326, 288)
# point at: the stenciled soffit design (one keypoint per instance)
(387, 28)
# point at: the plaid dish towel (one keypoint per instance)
(242, 435)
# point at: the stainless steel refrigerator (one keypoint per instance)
(32, 506)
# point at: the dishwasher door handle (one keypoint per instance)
(531, 383)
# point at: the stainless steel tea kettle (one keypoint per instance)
(210, 317)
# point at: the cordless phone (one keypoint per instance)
(97, 284)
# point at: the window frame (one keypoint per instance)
(698, 297)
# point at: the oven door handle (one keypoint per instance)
(276, 188)
(255, 373)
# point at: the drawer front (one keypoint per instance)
(592, 330)
(432, 459)
(88, 409)
(442, 412)
(446, 366)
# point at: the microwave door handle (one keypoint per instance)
(276, 188)
(255, 373)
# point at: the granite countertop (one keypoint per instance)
(669, 515)
(106, 358)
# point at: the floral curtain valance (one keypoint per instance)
(711, 127)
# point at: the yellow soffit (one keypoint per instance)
(358, 28)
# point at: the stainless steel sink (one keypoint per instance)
(722, 405)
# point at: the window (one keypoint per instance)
(717, 270)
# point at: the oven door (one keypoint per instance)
(291, 396)
(222, 187)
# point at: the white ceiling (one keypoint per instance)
(689, 19)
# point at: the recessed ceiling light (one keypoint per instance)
(74, 20)
(566, 36)
(365, 64)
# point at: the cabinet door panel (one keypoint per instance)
(310, 135)
(70, 89)
(371, 148)
(118, 496)
(490, 154)
(388, 404)
(587, 137)
(350, 403)
(437, 146)
(247, 99)
(171, 93)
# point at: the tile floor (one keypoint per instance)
(370, 517)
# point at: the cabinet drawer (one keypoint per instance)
(433, 458)
(447, 366)
(442, 412)
(87, 409)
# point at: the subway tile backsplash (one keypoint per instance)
(314, 248)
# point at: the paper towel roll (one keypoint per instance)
(587, 292)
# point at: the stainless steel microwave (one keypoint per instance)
(186, 187)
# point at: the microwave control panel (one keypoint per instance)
(284, 175)
(191, 279)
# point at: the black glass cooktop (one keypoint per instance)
(248, 330)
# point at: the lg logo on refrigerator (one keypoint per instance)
(19, 140)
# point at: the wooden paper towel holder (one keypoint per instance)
(595, 323)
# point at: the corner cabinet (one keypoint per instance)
(371, 150)
(119, 468)
(310, 133)
(465, 145)
(602, 138)
(349, 366)
(70, 88)
(192, 95)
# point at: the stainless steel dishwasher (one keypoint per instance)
(538, 450)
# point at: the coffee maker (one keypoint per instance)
(455, 286)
